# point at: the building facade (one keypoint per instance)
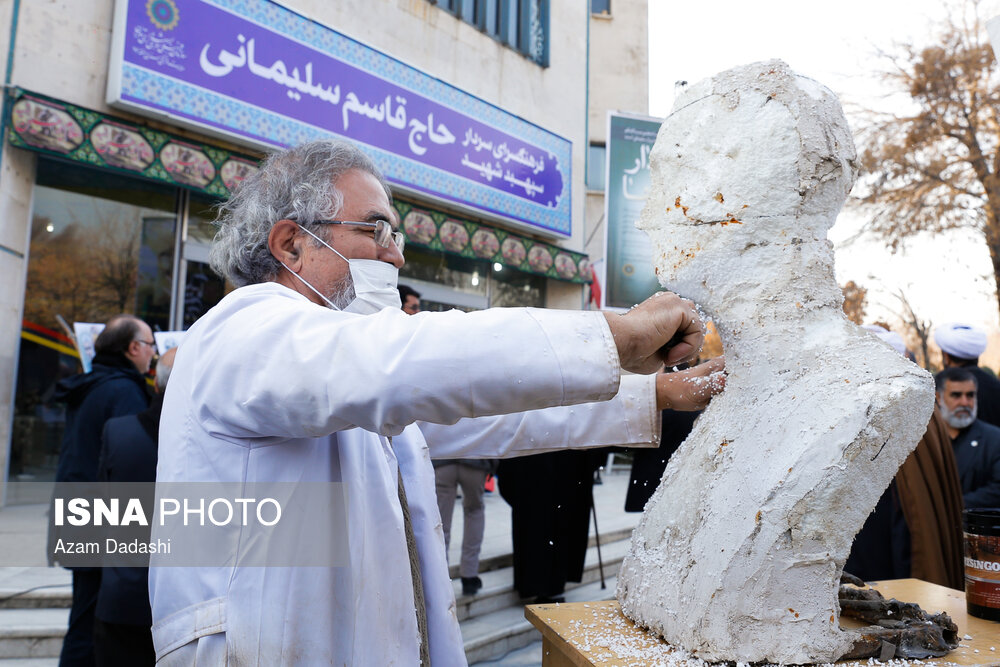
(126, 121)
(619, 60)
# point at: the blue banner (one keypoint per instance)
(630, 277)
(257, 71)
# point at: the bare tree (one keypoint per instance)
(60, 275)
(84, 273)
(116, 262)
(918, 330)
(713, 342)
(937, 168)
(855, 298)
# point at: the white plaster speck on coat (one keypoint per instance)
(739, 553)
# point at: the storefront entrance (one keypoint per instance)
(101, 244)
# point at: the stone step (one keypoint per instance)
(35, 587)
(498, 585)
(32, 633)
(29, 662)
(493, 635)
(54, 597)
(506, 559)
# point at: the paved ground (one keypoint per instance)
(609, 498)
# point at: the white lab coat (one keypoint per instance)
(271, 387)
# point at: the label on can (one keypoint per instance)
(982, 570)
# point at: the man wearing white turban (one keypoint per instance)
(961, 345)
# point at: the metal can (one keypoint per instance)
(982, 562)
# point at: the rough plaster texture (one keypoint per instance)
(739, 552)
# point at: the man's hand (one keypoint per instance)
(690, 389)
(663, 329)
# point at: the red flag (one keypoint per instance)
(595, 289)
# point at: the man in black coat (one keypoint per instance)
(550, 497)
(128, 454)
(115, 387)
(976, 443)
(961, 345)
(648, 465)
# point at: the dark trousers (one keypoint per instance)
(78, 645)
(120, 645)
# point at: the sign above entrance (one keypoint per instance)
(256, 71)
(50, 126)
(446, 233)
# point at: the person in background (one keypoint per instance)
(115, 387)
(410, 299)
(550, 497)
(976, 443)
(648, 465)
(961, 346)
(128, 454)
(470, 474)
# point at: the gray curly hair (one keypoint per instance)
(295, 184)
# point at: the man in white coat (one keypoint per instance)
(306, 374)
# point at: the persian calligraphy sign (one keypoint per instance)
(630, 277)
(257, 72)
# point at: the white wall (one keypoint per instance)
(619, 74)
(17, 174)
(619, 64)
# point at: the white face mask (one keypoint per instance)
(374, 283)
(374, 286)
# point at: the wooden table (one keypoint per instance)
(596, 633)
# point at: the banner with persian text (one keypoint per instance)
(258, 72)
(629, 276)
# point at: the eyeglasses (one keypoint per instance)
(383, 231)
(146, 342)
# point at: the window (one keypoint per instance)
(595, 167)
(201, 287)
(447, 281)
(522, 25)
(602, 7)
(102, 243)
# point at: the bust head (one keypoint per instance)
(754, 157)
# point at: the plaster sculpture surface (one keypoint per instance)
(739, 552)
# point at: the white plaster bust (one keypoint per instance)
(739, 552)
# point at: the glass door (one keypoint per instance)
(446, 281)
(198, 286)
(101, 244)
